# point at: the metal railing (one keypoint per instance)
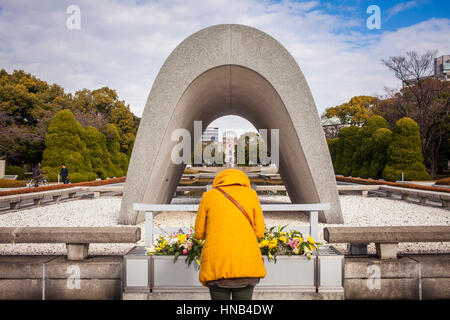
(312, 208)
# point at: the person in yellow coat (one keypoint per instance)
(231, 263)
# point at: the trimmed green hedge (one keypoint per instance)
(405, 153)
(86, 152)
(367, 147)
(374, 151)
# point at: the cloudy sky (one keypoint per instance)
(122, 44)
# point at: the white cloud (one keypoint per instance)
(123, 45)
(401, 7)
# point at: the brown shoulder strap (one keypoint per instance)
(226, 194)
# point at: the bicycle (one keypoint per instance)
(39, 181)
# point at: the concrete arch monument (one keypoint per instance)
(231, 70)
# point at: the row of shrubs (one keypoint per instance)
(7, 183)
(392, 184)
(87, 153)
(374, 151)
(63, 186)
(443, 182)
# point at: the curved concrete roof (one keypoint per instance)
(224, 70)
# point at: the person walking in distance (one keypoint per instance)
(37, 175)
(64, 173)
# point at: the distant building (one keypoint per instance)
(331, 126)
(211, 134)
(442, 68)
(229, 142)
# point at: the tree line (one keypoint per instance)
(374, 151)
(422, 98)
(39, 122)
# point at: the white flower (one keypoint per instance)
(150, 249)
(295, 250)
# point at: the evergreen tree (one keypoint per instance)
(65, 144)
(365, 149)
(100, 157)
(332, 147)
(119, 159)
(405, 153)
(380, 143)
(122, 118)
(349, 139)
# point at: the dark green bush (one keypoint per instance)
(118, 159)
(362, 168)
(349, 140)
(100, 157)
(332, 147)
(380, 143)
(78, 177)
(405, 153)
(65, 144)
(14, 170)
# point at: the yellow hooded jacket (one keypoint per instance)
(231, 248)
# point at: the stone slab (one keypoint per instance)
(20, 289)
(96, 267)
(88, 289)
(362, 267)
(433, 265)
(386, 234)
(23, 267)
(435, 288)
(388, 289)
(70, 234)
(257, 295)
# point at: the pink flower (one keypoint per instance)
(184, 252)
(293, 243)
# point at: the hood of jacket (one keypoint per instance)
(231, 176)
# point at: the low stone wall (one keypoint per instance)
(55, 278)
(420, 276)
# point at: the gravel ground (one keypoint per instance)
(357, 211)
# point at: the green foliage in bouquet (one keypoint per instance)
(178, 244)
(278, 242)
(275, 241)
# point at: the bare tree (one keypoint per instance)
(97, 120)
(413, 67)
(423, 99)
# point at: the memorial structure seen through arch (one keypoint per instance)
(231, 70)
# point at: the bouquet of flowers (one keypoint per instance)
(278, 242)
(178, 244)
(274, 242)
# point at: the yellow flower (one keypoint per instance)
(181, 238)
(311, 240)
(163, 244)
(299, 240)
(282, 239)
(264, 243)
(273, 243)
